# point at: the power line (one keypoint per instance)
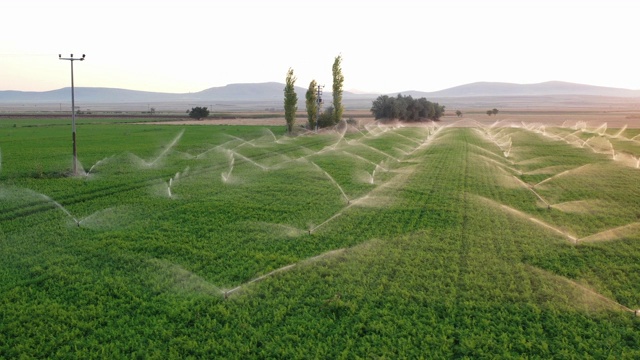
(25, 55)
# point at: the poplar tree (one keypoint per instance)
(338, 79)
(312, 104)
(290, 100)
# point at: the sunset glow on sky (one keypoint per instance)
(387, 46)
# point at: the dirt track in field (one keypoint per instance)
(239, 121)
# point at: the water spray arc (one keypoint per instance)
(226, 176)
(242, 141)
(99, 162)
(73, 112)
(167, 149)
(59, 206)
(333, 181)
(227, 293)
(175, 179)
(233, 153)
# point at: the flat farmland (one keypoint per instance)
(463, 238)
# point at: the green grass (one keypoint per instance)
(406, 243)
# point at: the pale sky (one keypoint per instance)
(387, 46)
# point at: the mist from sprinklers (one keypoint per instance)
(375, 173)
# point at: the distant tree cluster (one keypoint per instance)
(406, 108)
(331, 116)
(198, 112)
(493, 111)
(327, 117)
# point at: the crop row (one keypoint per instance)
(436, 256)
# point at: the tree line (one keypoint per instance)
(331, 116)
(406, 108)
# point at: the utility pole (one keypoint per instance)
(73, 113)
(319, 99)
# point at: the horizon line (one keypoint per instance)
(354, 91)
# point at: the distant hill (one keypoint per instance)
(245, 92)
(86, 94)
(541, 89)
(271, 95)
(269, 91)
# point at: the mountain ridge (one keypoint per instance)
(537, 89)
(273, 91)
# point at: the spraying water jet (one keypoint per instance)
(333, 181)
(265, 168)
(99, 162)
(59, 206)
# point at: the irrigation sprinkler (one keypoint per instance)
(73, 112)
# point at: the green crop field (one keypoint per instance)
(504, 241)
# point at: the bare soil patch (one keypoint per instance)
(593, 118)
(238, 121)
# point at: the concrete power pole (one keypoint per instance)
(73, 113)
(319, 99)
